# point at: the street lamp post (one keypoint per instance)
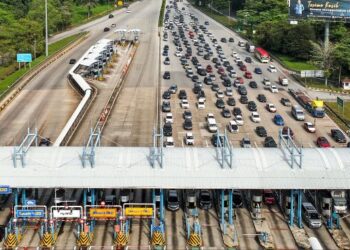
(46, 32)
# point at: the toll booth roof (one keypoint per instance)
(184, 168)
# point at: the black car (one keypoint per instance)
(45, 142)
(261, 131)
(182, 94)
(243, 99)
(214, 140)
(166, 106)
(201, 94)
(166, 75)
(338, 136)
(173, 88)
(226, 64)
(165, 53)
(220, 103)
(261, 98)
(167, 129)
(237, 199)
(231, 40)
(215, 87)
(270, 142)
(206, 23)
(106, 29)
(236, 111)
(201, 72)
(215, 60)
(110, 16)
(286, 102)
(226, 81)
(167, 94)
(258, 71)
(187, 124)
(253, 84)
(196, 89)
(231, 101)
(226, 113)
(252, 106)
(194, 78)
(248, 59)
(242, 90)
(72, 61)
(187, 114)
(205, 200)
(208, 81)
(240, 63)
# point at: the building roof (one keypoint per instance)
(127, 167)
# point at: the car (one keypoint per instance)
(220, 94)
(241, 43)
(173, 202)
(268, 197)
(187, 125)
(309, 127)
(110, 16)
(243, 99)
(242, 90)
(205, 200)
(266, 81)
(271, 107)
(128, 11)
(253, 84)
(233, 127)
(196, 89)
(261, 98)
(273, 89)
(215, 87)
(173, 88)
(322, 142)
(208, 81)
(287, 130)
(106, 29)
(239, 81)
(338, 135)
(231, 101)
(201, 72)
(286, 102)
(201, 103)
(245, 143)
(166, 61)
(258, 71)
(182, 94)
(278, 120)
(248, 59)
(261, 131)
(167, 129)
(167, 94)
(239, 120)
(236, 111)
(178, 53)
(269, 142)
(194, 78)
(169, 118)
(229, 91)
(215, 140)
(220, 103)
(166, 106)
(206, 23)
(44, 142)
(223, 40)
(166, 75)
(252, 106)
(272, 68)
(231, 40)
(209, 69)
(187, 114)
(184, 104)
(72, 61)
(248, 75)
(255, 117)
(226, 113)
(189, 138)
(243, 68)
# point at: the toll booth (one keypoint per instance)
(190, 202)
(325, 204)
(256, 203)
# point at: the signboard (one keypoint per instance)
(312, 73)
(5, 190)
(24, 57)
(31, 202)
(120, 3)
(139, 211)
(105, 213)
(65, 213)
(340, 102)
(25, 213)
(320, 9)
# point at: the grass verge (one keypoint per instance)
(294, 64)
(79, 13)
(343, 120)
(7, 82)
(161, 14)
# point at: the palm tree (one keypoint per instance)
(89, 4)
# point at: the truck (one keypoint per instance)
(314, 107)
(283, 80)
(250, 47)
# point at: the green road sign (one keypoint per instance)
(340, 102)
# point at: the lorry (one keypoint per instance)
(250, 47)
(314, 107)
(283, 80)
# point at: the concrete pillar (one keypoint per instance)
(291, 215)
(24, 199)
(230, 207)
(222, 211)
(162, 205)
(300, 201)
(85, 197)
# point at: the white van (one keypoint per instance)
(298, 113)
(212, 127)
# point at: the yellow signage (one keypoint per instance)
(139, 211)
(120, 3)
(103, 212)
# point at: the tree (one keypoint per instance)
(89, 4)
(323, 56)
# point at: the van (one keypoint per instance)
(173, 203)
(298, 113)
(311, 216)
(212, 127)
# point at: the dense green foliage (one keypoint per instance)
(161, 14)
(22, 23)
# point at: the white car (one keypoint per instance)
(210, 116)
(212, 77)
(201, 103)
(272, 68)
(169, 142)
(271, 107)
(233, 127)
(169, 118)
(229, 91)
(189, 138)
(267, 82)
(310, 127)
(185, 104)
(255, 117)
(220, 94)
(274, 89)
(234, 54)
(128, 11)
(232, 74)
(237, 58)
(239, 120)
(178, 54)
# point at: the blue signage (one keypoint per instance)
(24, 57)
(31, 202)
(5, 190)
(30, 213)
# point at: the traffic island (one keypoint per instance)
(300, 236)
(262, 229)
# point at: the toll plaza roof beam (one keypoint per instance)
(186, 168)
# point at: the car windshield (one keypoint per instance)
(173, 199)
(205, 197)
(268, 194)
(314, 216)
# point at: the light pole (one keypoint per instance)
(46, 32)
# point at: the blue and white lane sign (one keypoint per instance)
(5, 190)
(30, 213)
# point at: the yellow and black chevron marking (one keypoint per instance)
(11, 241)
(121, 239)
(47, 240)
(158, 239)
(195, 240)
(85, 239)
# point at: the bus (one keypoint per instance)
(262, 55)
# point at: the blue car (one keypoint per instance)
(258, 71)
(278, 120)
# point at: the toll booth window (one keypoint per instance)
(256, 205)
(191, 205)
(225, 203)
(205, 198)
(325, 206)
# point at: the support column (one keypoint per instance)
(24, 197)
(230, 207)
(291, 214)
(85, 198)
(93, 202)
(300, 201)
(162, 205)
(16, 191)
(222, 208)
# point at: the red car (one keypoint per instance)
(209, 69)
(248, 75)
(243, 68)
(268, 197)
(239, 81)
(322, 142)
(221, 70)
(285, 132)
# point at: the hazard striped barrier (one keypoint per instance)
(47, 240)
(11, 241)
(85, 239)
(121, 240)
(158, 239)
(194, 240)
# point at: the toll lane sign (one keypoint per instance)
(66, 213)
(5, 190)
(105, 213)
(139, 211)
(30, 213)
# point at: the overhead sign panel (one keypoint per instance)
(24, 57)
(103, 213)
(5, 190)
(139, 211)
(320, 9)
(65, 213)
(24, 213)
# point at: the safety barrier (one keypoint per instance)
(195, 240)
(158, 239)
(85, 239)
(48, 240)
(121, 240)
(12, 240)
